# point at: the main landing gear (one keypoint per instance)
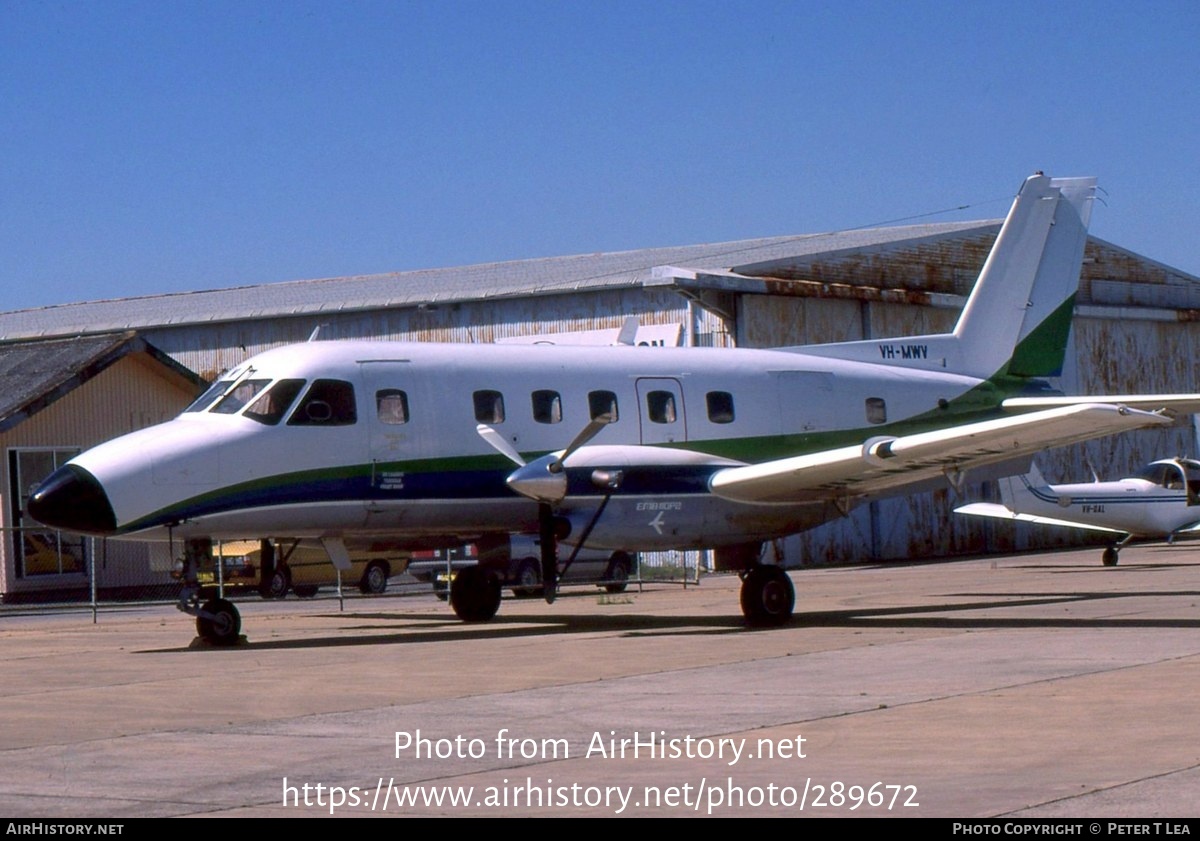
(1109, 556)
(768, 596)
(475, 594)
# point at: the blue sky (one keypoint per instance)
(168, 147)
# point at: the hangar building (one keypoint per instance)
(1135, 331)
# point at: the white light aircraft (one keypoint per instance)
(1162, 500)
(620, 447)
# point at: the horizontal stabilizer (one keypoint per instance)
(881, 465)
(992, 509)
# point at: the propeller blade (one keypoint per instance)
(549, 547)
(500, 444)
(587, 434)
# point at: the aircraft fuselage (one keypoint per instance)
(359, 438)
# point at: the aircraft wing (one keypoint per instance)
(882, 464)
(1170, 404)
(993, 509)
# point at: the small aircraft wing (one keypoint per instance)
(994, 509)
(881, 465)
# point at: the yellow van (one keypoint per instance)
(303, 570)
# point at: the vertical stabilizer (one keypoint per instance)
(1017, 319)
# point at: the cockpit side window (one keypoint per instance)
(1174, 479)
(242, 393)
(327, 403)
(271, 406)
(1153, 473)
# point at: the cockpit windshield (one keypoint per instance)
(271, 406)
(1172, 475)
(210, 394)
(239, 396)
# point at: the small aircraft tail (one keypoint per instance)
(1017, 318)
(1025, 497)
(1017, 492)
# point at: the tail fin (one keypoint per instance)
(1033, 270)
(1018, 316)
(1016, 491)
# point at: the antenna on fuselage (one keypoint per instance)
(316, 333)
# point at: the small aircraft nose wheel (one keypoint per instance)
(219, 623)
(768, 597)
(1109, 558)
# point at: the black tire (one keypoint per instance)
(278, 584)
(375, 578)
(1109, 558)
(528, 580)
(768, 596)
(475, 594)
(305, 591)
(221, 623)
(617, 575)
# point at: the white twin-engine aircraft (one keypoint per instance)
(620, 448)
(1162, 500)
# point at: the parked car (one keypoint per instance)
(303, 571)
(523, 571)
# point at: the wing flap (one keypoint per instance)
(882, 464)
(1170, 404)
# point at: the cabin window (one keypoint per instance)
(327, 403)
(602, 405)
(547, 407)
(271, 406)
(660, 406)
(489, 406)
(36, 549)
(876, 410)
(720, 406)
(392, 405)
(239, 396)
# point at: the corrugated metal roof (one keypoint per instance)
(35, 374)
(546, 276)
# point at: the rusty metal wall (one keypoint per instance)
(213, 348)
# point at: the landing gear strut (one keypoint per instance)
(217, 621)
(768, 597)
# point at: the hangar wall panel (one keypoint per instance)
(128, 395)
(210, 349)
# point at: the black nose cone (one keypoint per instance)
(72, 500)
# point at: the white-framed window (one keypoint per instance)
(39, 550)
